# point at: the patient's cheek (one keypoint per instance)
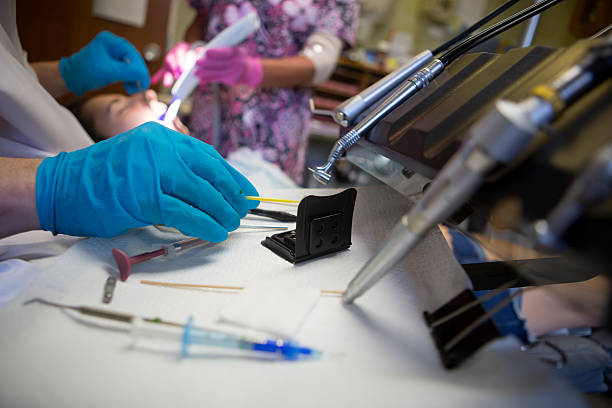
(132, 120)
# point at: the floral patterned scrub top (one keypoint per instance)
(273, 121)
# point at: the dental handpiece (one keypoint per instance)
(347, 111)
(410, 87)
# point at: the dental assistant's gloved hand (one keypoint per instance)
(106, 59)
(229, 65)
(148, 175)
(173, 65)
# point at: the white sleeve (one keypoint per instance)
(323, 49)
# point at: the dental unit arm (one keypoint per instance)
(347, 112)
(499, 138)
(421, 76)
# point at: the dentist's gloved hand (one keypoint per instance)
(147, 175)
(106, 59)
(173, 65)
(229, 65)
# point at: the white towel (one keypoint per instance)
(276, 310)
(15, 275)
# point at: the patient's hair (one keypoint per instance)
(85, 120)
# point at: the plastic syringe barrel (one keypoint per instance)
(231, 36)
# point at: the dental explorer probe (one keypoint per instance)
(346, 112)
(499, 138)
(415, 83)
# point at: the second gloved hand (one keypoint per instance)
(229, 65)
(148, 175)
(173, 65)
(106, 59)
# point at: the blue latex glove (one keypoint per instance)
(106, 59)
(147, 175)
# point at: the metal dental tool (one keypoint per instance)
(109, 289)
(592, 185)
(275, 215)
(141, 90)
(144, 95)
(500, 137)
(415, 83)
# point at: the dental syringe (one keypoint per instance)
(192, 335)
(188, 334)
(188, 81)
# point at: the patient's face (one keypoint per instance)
(115, 113)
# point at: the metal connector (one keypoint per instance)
(347, 111)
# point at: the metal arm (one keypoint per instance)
(499, 137)
(415, 83)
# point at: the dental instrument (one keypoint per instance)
(144, 95)
(141, 90)
(124, 262)
(188, 81)
(109, 289)
(415, 83)
(157, 327)
(275, 215)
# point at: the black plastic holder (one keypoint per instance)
(443, 333)
(323, 226)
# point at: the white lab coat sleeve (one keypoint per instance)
(32, 123)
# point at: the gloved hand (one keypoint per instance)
(106, 59)
(229, 65)
(147, 175)
(173, 65)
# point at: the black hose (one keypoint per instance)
(465, 33)
(495, 29)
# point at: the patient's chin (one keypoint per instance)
(166, 124)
